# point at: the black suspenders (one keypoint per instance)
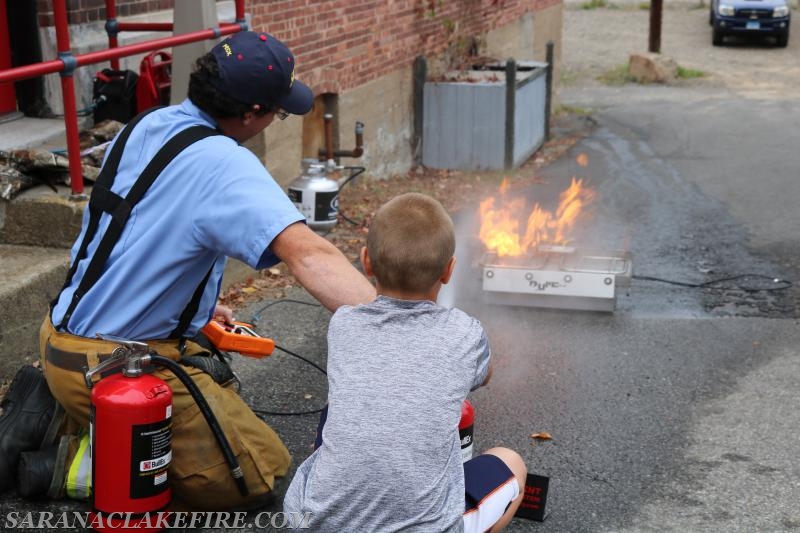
(102, 200)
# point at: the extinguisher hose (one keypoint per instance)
(230, 458)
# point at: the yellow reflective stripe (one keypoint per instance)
(79, 477)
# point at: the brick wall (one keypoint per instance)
(82, 11)
(342, 44)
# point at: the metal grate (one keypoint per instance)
(754, 14)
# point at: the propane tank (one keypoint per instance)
(130, 427)
(315, 195)
(465, 426)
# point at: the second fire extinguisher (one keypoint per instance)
(465, 430)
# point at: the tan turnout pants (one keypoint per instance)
(199, 476)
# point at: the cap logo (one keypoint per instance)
(227, 48)
(291, 80)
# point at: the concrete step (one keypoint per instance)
(41, 217)
(32, 276)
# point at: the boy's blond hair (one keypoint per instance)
(410, 241)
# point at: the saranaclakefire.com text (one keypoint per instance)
(225, 521)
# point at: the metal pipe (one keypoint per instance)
(329, 153)
(145, 26)
(68, 97)
(511, 105)
(548, 98)
(420, 75)
(358, 151)
(155, 44)
(53, 66)
(112, 27)
(328, 136)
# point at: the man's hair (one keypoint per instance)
(213, 101)
(410, 241)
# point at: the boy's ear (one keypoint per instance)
(366, 263)
(448, 271)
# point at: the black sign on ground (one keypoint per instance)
(535, 498)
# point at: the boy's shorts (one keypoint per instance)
(490, 486)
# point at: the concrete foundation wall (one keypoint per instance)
(280, 146)
(385, 107)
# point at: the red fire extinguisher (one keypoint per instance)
(130, 426)
(465, 432)
(130, 435)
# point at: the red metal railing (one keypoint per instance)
(67, 63)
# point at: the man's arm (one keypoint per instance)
(321, 268)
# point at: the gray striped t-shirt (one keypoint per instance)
(390, 460)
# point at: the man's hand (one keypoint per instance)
(223, 313)
(321, 268)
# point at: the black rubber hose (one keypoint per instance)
(230, 458)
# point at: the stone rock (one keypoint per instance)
(652, 68)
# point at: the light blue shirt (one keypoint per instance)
(215, 200)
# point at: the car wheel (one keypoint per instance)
(782, 39)
(716, 37)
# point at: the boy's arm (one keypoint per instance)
(483, 366)
(488, 375)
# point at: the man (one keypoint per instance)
(148, 263)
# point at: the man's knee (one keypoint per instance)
(513, 461)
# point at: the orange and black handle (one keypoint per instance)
(238, 337)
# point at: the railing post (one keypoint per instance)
(420, 74)
(511, 106)
(112, 29)
(548, 99)
(68, 96)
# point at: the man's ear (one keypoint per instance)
(448, 271)
(250, 114)
(366, 263)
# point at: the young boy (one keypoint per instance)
(399, 369)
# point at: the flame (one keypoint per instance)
(501, 220)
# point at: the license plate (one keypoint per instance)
(753, 25)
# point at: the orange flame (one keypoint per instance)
(501, 218)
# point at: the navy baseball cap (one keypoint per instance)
(256, 68)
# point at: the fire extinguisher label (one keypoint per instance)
(326, 206)
(465, 435)
(151, 455)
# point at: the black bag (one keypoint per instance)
(114, 95)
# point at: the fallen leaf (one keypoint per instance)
(249, 290)
(543, 435)
(274, 271)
